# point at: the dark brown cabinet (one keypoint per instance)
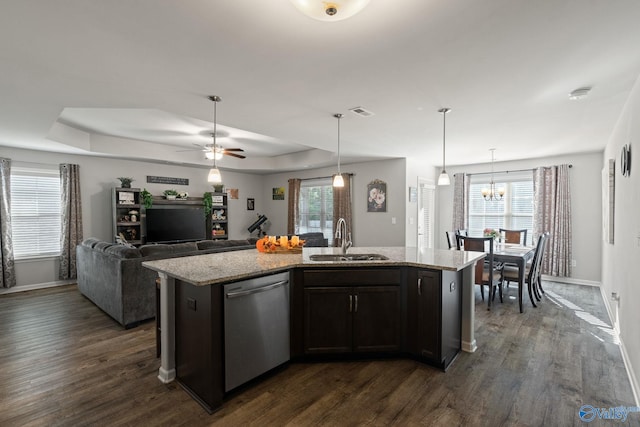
(364, 317)
(434, 315)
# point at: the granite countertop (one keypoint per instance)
(231, 266)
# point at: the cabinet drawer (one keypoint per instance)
(351, 277)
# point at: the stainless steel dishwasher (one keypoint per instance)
(256, 327)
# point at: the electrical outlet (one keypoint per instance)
(573, 263)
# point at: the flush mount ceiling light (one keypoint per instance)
(579, 93)
(443, 179)
(338, 181)
(214, 173)
(336, 10)
(491, 193)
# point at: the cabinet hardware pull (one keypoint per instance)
(356, 308)
(350, 303)
(420, 286)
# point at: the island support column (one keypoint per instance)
(167, 371)
(468, 309)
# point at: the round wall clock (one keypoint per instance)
(625, 160)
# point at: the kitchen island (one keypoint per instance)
(400, 286)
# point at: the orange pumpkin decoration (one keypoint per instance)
(261, 243)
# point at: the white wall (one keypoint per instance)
(369, 229)
(98, 175)
(586, 214)
(620, 258)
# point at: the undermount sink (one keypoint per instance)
(347, 257)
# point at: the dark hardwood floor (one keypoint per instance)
(63, 362)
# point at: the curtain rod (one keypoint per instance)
(509, 171)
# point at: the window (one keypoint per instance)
(35, 212)
(514, 211)
(316, 207)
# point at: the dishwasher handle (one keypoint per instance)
(256, 290)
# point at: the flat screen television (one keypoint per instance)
(174, 224)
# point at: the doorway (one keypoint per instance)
(426, 207)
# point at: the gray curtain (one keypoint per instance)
(293, 202)
(552, 213)
(342, 204)
(7, 268)
(460, 218)
(71, 233)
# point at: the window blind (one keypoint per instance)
(35, 213)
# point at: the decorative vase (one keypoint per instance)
(171, 196)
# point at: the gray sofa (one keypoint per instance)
(113, 278)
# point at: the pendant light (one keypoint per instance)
(491, 193)
(214, 174)
(332, 10)
(338, 181)
(443, 179)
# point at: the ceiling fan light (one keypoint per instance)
(443, 179)
(209, 155)
(331, 10)
(338, 181)
(214, 176)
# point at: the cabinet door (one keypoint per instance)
(428, 338)
(376, 319)
(327, 320)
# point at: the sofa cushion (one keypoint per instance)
(164, 249)
(204, 245)
(101, 246)
(123, 251)
(90, 242)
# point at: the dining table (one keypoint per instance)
(518, 255)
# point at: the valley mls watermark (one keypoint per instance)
(588, 413)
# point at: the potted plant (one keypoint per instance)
(125, 182)
(170, 194)
(147, 198)
(207, 201)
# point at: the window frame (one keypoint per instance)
(26, 196)
(507, 180)
(326, 211)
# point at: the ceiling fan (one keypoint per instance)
(218, 152)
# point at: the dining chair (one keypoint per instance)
(451, 239)
(459, 232)
(514, 236)
(539, 278)
(488, 272)
(532, 271)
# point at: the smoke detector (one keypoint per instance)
(580, 93)
(362, 112)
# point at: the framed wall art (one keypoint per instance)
(377, 196)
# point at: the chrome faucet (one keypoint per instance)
(341, 233)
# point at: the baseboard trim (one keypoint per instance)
(35, 286)
(469, 347)
(633, 379)
(570, 280)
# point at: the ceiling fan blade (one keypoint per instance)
(235, 155)
(233, 149)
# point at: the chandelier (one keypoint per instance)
(492, 193)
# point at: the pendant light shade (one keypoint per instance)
(332, 10)
(338, 181)
(443, 179)
(214, 174)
